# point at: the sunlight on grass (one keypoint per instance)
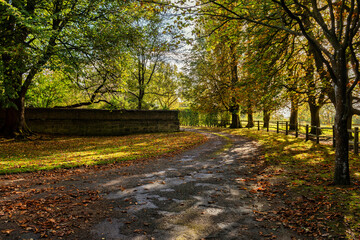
(59, 152)
(306, 169)
(301, 156)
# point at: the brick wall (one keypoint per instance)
(99, 122)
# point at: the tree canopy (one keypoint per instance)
(321, 35)
(247, 57)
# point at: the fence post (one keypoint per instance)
(258, 125)
(287, 128)
(277, 126)
(333, 135)
(297, 130)
(317, 135)
(307, 133)
(356, 141)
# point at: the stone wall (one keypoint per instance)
(94, 122)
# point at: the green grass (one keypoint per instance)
(307, 172)
(302, 174)
(66, 152)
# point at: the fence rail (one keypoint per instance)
(310, 132)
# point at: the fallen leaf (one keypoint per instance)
(7, 231)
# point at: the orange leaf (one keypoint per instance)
(7, 231)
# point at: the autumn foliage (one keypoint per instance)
(35, 203)
(299, 174)
(51, 152)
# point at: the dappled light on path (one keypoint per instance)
(209, 192)
(201, 195)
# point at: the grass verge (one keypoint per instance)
(51, 152)
(301, 174)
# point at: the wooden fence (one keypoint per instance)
(321, 133)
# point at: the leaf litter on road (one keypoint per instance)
(35, 203)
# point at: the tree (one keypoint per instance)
(263, 82)
(50, 89)
(215, 69)
(163, 90)
(148, 47)
(340, 25)
(38, 35)
(304, 85)
(332, 34)
(213, 74)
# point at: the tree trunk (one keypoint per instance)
(235, 119)
(14, 123)
(342, 173)
(234, 106)
(140, 99)
(266, 118)
(315, 117)
(294, 112)
(250, 119)
(349, 121)
(313, 99)
(139, 107)
(349, 125)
